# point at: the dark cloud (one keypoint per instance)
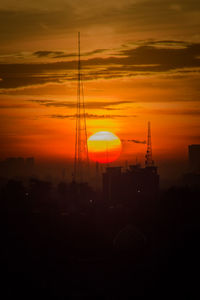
(137, 141)
(47, 53)
(22, 75)
(62, 54)
(164, 59)
(142, 60)
(70, 55)
(134, 141)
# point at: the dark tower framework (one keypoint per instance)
(149, 161)
(81, 160)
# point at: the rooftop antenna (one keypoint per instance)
(149, 161)
(81, 160)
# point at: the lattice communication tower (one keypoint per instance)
(81, 160)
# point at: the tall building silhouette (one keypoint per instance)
(81, 160)
(192, 177)
(194, 157)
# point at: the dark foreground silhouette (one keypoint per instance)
(66, 242)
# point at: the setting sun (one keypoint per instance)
(104, 147)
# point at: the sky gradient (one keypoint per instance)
(140, 60)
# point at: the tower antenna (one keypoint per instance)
(81, 160)
(149, 161)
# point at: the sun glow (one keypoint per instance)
(104, 147)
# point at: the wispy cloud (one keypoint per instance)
(137, 141)
(189, 112)
(88, 116)
(47, 53)
(62, 54)
(107, 105)
(134, 141)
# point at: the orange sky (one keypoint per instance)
(141, 62)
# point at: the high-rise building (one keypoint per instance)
(192, 178)
(112, 184)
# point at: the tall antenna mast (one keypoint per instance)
(81, 160)
(149, 161)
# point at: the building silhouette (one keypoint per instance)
(113, 185)
(136, 183)
(194, 157)
(192, 178)
(17, 166)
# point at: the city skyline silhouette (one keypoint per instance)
(99, 149)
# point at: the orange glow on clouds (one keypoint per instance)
(104, 147)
